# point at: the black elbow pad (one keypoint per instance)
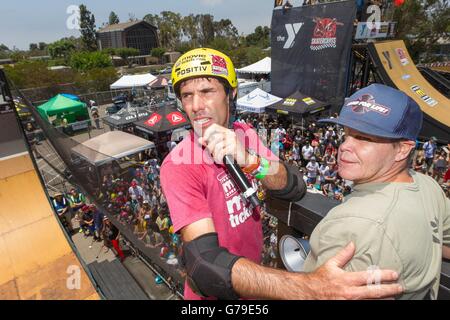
(208, 267)
(295, 188)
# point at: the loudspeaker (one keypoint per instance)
(293, 252)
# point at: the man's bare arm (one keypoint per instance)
(251, 280)
(276, 178)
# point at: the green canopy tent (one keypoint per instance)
(63, 107)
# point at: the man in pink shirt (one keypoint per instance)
(221, 232)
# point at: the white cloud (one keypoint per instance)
(211, 2)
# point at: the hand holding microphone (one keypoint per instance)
(225, 148)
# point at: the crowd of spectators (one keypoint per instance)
(313, 148)
(136, 201)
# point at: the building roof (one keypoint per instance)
(122, 26)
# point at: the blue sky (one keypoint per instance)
(24, 22)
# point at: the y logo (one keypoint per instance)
(292, 30)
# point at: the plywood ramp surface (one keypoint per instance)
(36, 260)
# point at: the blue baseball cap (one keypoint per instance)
(381, 111)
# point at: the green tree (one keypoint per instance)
(109, 51)
(113, 18)
(125, 53)
(153, 19)
(42, 46)
(17, 56)
(158, 53)
(96, 79)
(420, 23)
(30, 74)
(33, 46)
(86, 60)
(225, 29)
(87, 29)
(260, 37)
(61, 48)
(206, 29)
(3, 47)
(170, 29)
(222, 44)
(185, 46)
(191, 28)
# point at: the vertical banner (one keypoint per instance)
(311, 48)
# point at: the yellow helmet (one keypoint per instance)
(203, 62)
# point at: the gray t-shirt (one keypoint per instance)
(398, 226)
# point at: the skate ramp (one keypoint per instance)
(396, 68)
(36, 261)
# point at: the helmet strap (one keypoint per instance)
(232, 111)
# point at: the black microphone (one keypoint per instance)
(241, 180)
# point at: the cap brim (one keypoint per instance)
(362, 127)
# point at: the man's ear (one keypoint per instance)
(234, 93)
(404, 149)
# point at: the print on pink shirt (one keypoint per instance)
(238, 211)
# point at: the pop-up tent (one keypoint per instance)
(298, 104)
(159, 83)
(71, 96)
(261, 67)
(126, 116)
(111, 145)
(165, 119)
(256, 101)
(64, 107)
(133, 81)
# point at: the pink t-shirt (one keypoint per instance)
(197, 188)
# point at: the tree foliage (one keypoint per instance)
(176, 31)
(61, 48)
(260, 37)
(158, 52)
(33, 74)
(125, 53)
(113, 18)
(83, 61)
(96, 79)
(87, 29)
(421, 23)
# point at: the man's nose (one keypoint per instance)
(347, 144)
(198, 103)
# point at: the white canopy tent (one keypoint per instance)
(256, 101)
(261, 67)
(111, 145)
(133, 81)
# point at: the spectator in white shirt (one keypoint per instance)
(313, 168)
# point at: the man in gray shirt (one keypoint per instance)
(397, 218)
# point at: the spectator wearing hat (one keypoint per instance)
(430, 149)
(135, 190)
(77, 201)
(398, 218)
(62, 207)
